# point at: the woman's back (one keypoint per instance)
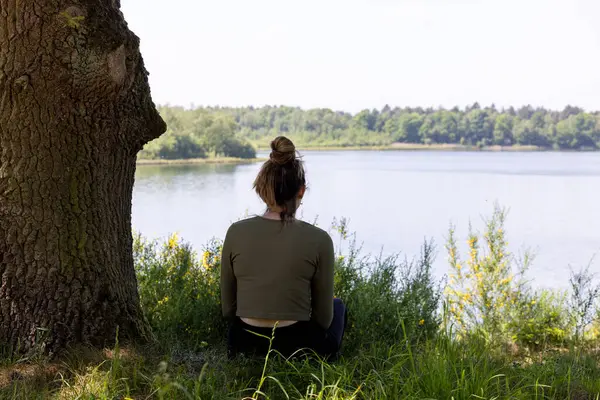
(277, 271)
(281, 271)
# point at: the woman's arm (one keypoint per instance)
(228, 282)
(322, 285)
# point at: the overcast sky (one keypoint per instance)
(355, 54)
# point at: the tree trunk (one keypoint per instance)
(75, 109)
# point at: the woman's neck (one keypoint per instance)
(272, 215)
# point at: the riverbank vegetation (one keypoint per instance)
(473, 127)
(198, 135)
(482, 333)
(196, 161)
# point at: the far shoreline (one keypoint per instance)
(199, 161)
(438, 148)
(400, 147)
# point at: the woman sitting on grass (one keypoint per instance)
(277, 271)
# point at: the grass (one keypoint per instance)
(439, 369)
(403, 341)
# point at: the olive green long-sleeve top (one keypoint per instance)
(277, 272)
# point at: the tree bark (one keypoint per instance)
(75, 109)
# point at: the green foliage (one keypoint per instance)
(198, 134)
(542, 320)
(179, 292)
(486, 291)
(488, 296)
(233, 147)
(175, 146)
(584, 301)
(389, 300)
(571, 128)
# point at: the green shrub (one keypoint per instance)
(485, 292)
(488, 295)
(238, 148)
(543, 320)
(174, 146)
(388, 299)
(179, 292)
(584, 300)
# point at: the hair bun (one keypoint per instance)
(283, 151)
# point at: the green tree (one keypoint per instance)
(577, 132)
(479, 129)
(218, 128)
(409, 126)
(364, 120)
(215, 132)
(503, 130)
(527, 134)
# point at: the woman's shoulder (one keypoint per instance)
(314, 230)
(242, 224)
(255, 224)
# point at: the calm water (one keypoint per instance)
(395, 200)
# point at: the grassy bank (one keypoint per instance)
(482, 334)
(415, 147)
(195, 161)
(440, 369)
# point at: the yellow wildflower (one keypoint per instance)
(422, 322)
(206, 259)
(163, 301)
(173, 241)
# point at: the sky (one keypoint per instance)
(355, 54)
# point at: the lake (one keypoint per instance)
(395, 200)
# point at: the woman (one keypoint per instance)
(277, 271)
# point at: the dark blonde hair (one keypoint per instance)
(281, 178)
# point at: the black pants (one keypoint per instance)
(303, 335)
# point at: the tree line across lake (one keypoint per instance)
(236, 132)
